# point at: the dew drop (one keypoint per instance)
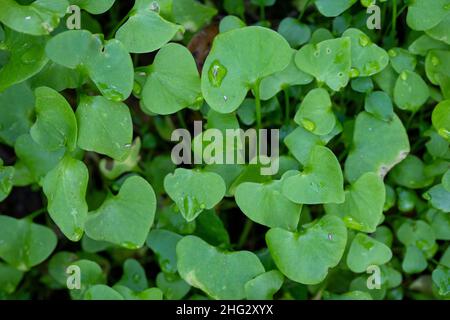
(47, 27)
(330, 236)
(404, 76)
(392, 53)
(308, 124)
(28, 57)
(444, 133)
(28, 18)
(154, 6)
(225, 98)
(364, 40)
(316, 53)
(354, 73)
(129, 245)
(136, 277)
(217, 72)
(137, 88)
(447, 6)
(435, 61)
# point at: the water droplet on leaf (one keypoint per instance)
(217, 72)
(364, 40)
(308, 124)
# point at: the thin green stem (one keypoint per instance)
(258, 105)
(262, 13)
(245, 233)
(287, 105)
(117, 26)
(303, 10)
(394, 17)
(36, 213)
(181, 119)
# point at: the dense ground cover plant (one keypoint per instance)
(358, 208)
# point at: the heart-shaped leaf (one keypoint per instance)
(316, 113)
(264, 286)
(56, 125)
(410, 91)
(364, 202)
(92, 274)
(441, 119)
(377, 146)
(25, 244)
(107, 63)
(133, 276)
(65, 187)
(226, 79)
(124, 219)
(328, 61)
(21, 97)
(366, 251)
(333, 8)
(206, 189)
(26, 57)
(424, 15)
(265, 204)
(38, 18)
(105, 127)
(305, 257)
(163, 243)
(290, 76)
(416, 233)
(173, 83)
(172, 286)
(367, 58)
(320, 182)
(379, 104)
(202, 266)
(143, 17)
(414, 260)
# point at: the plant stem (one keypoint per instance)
(262, 13)
(287, 106)
(303, 10)
(181, 119)
(394, 17)
(36, 213)
(117, 26)
(258, 105)
(245, 233)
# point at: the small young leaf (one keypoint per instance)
(366, 251)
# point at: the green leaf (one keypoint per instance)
(333, 8)
(416, 233)
(402, 60)
(305, 257)
(148, 294)
(364, 202)
(441, 119)
(107, 63)
(437, 68)
(320, 182)
(210, 227)
(295, 32)
(58, 264)
(229, 23)
(202, 266)
(414, 260)
(163, 243)
(424, 15)
(366, 251)
(16, 120)
(367, 58)
(94, 7)
(206, 189)
(113, 169)
(440, 222)
(410, 173)
(288, 77)
(124, 219)
(56, 125)
(410, 91)
(226, 80)
(377, 146)
(25, 244)
(438, 197)
(91, 274)
(6, 180)
(102, 292)
(9, 278)
(104, 127)
(39, 18)
(143, 17)
(441, 277)
(315, 113)
(441, 31)
(172, 286)
(173, 83)
(26, 57)
(379, 104)
(328, 61)
(133, 276)
(65, 188)
(193, 15)
(265, 204)
(264, 286)
(424, 43)
(37, 160)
